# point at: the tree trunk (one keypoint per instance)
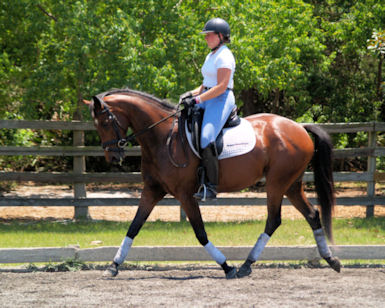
(251, 102)
(276, 101)
(380, 95)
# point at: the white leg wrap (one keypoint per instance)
(123, 250)
(215, 253)
(258, 247)
(322, 245)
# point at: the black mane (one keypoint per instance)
(166, 105)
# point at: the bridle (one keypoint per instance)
(121, 142)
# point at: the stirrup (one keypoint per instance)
(205, 192)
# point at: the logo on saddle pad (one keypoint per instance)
(237, 140)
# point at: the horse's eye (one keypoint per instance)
(105, 122)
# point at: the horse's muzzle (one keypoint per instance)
(115, 158)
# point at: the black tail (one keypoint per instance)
(323, 175)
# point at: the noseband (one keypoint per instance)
(120, 142)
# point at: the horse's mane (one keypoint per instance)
(126, 91)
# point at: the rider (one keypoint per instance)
(216, 97)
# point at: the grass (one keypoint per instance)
(13, 234)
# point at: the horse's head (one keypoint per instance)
(111, 129)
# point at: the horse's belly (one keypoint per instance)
(240, 172)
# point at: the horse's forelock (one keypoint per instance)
(92, 107)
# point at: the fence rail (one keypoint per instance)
(189, 253)
(135, 151)
(86, 202)
(79, 177)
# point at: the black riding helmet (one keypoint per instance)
(218, 25)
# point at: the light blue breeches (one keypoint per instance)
(217, 110)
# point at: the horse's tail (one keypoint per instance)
(323, 175)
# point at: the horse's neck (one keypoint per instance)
(143, 115)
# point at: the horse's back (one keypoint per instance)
(281, 137)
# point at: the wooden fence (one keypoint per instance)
(189, 253)
(79, 177)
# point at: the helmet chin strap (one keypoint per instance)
(219, 45)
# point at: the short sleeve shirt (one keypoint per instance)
(222, 58)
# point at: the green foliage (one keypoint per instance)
(293, 54)
(350, 80)
(278, 47)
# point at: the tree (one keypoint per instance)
(304, 59)
(279, 50)
(377, 45)
(349, 81)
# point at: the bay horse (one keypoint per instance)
(282, 152)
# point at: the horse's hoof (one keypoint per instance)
(244, 270)
(232, 273)
(334, 263)
(111, 271)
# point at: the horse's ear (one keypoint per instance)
(97, 103)
(88, 103)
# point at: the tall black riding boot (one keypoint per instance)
(209, 182)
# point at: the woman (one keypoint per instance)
(216, 97)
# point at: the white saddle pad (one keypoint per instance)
(237, 140)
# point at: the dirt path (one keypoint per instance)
(127, 213)
(196, 287)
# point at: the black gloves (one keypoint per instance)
(185, 95)
(188, 102)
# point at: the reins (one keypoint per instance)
(169, 142)
(121, 143)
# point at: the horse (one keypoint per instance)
(281, 154)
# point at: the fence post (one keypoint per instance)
(371, 188)
(78, 168)
(182, 216)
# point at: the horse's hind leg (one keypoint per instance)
(274, 201)
(297, 197)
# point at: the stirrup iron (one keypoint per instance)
(198, 194)
(206, 192)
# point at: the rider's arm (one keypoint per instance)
(223, 78)
(197, 91)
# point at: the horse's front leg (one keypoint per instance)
(193, 212)
(148, 199)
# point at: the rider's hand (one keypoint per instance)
(189, 102)
(185, 95)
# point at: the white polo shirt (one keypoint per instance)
(222, 58)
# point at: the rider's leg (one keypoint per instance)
(217, 111)
(208, 189)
